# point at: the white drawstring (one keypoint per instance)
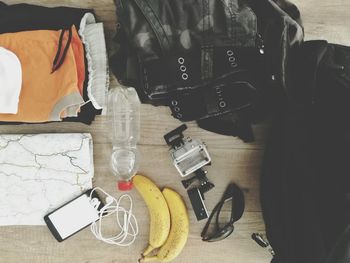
(128, 225)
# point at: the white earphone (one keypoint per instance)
(109, 200)
(127, 224)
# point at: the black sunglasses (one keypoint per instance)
(234, 194)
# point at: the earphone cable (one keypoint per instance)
(127, 224)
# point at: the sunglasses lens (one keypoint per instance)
(222, 234)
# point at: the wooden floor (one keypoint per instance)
(233, 161)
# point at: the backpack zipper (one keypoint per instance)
(262, 242)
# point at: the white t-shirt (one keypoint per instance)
(10, 81)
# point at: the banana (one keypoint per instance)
(158, 210)
(178, 232)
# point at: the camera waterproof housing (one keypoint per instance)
(188, 154)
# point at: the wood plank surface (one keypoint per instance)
(233, 161)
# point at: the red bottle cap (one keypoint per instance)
(124, 185)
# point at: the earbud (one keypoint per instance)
(109, 200)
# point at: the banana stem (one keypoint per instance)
(148, 250)
(148, 259)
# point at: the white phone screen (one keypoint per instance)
(74, 216)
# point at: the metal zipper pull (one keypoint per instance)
(259, 239)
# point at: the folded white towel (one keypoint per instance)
(92, 35)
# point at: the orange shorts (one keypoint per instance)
(46, 96)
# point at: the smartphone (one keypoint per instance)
(74, 216)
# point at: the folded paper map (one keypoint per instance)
(40, 172)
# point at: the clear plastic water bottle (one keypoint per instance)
(124, 117)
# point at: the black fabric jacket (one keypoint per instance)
(25, 17)
(213, 61)
(305, 186)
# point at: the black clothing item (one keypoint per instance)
(305, 184)
(232, 124)
(26, 17)
(86, 115)
(207, 59)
